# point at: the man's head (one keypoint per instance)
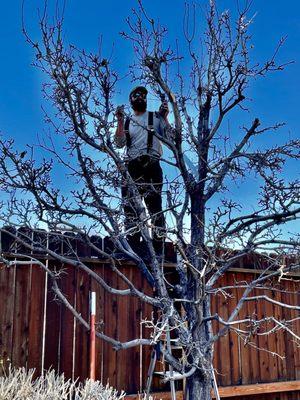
(138, 98)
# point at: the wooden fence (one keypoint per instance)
(37, 332)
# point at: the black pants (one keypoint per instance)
(148, 176)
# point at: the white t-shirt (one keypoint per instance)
(139, 136)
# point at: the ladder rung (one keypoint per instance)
(167, 374)
(176, 347)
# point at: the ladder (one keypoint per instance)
(163, 374)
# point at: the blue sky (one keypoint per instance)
(275, 98)
(20, 99)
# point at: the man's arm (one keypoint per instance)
(120, 137)
(163, 118)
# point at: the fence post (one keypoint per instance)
(92, 335)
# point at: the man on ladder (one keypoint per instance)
(138, 133)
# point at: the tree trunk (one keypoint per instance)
(198, 388)
(199, 384)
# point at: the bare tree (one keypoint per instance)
(208, 238)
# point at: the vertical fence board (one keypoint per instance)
(21, 312)
(68, 285)
(273, 362)
(81, 367)
(279, 337)
(7, 297)
(289, 349)
(110, 329)
(252, 349)
(135, 311)
(124, 363)
(129, 315)
(53, 325)
(100, 304)
(296, 326)
(147, 312)
(36, 319)
(215, 327)
(263, 341)
(233, 338)
(244, 346)
(225, 375)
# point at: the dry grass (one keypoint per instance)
(19, 384)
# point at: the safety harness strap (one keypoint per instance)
(150, 129)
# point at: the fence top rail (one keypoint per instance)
(167, 264)
(70, 243)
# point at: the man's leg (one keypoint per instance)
(131, 217)
(153, 200)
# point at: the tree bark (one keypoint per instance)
(199, 384)
(198, 387)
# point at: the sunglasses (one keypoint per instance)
(137, 95)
